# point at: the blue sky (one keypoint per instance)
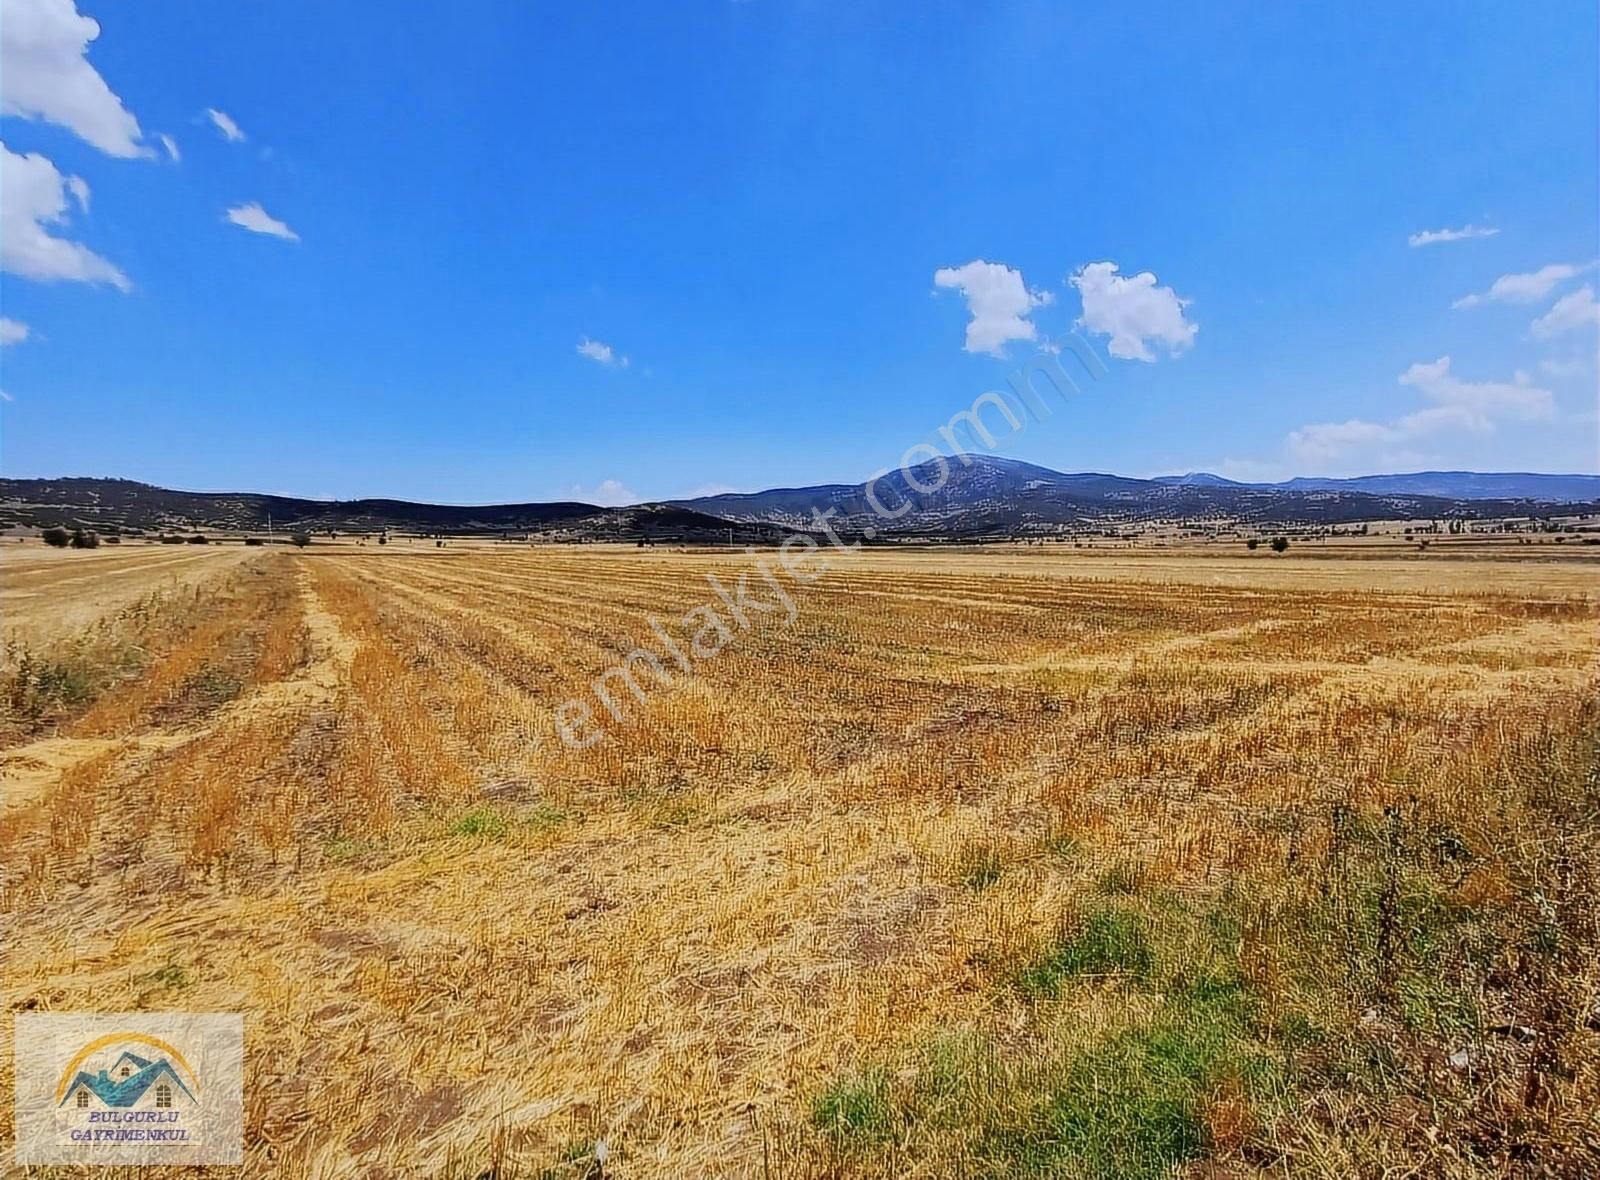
(412, 252)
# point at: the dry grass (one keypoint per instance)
(989, 864)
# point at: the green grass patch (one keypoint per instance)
(1134, 1106)
(1111, 942)
(544, 816)
(481, 822)
(170, 976)
(978, 865)
(346, 849)
(1123, 879)
(856, 1111)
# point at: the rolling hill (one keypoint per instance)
(992, 495)
(128, 506)
(985, 497)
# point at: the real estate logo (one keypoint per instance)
(130, 1088)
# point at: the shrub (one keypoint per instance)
(301, 539)
(1279, 544)
(199, 539)
(254, 541)
(1253, 543)
(171, 539)
(85, 540)
(56, 535)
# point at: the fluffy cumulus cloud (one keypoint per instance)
(1133, 311)
(13, 331)
(601, 353)
(33, 200)
(1571, 313)
(608, 493)
(1454, 406)
(44, 47)
(1433, 237)
(229, 129)
(258, 221)
(998, 301)
(1521, 288)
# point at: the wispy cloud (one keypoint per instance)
(602, 354)
(223, 123)
(1529, 287)
(1571, 312)
(608, 493)
(257, 220)
(1432, 237)
(13, 331)
(709, 489)
(171, 146)
(1455, 406)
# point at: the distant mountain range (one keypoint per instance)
(127, 506)
(994, 495)
(1450, 485)
(984, 496)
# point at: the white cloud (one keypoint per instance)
(79, 188)
(1133, 311)
(257, 220)
(608, 493)
(709, 489)
(1521, 288)
(998, 301)
(12, 331)
(171, 145)
(1572, 311)
(1567, 368)
(602, 353)
(1490, 399)
(1474, 407)
(43, 47)
(33, 195)
(221, 121)
(1325, 440)
(1429, 237)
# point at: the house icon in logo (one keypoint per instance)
(132, 1083)
(108, 1074)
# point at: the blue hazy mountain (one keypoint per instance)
(987, 494)
(1449, 485)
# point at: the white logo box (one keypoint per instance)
(129, 1088)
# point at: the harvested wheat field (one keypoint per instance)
(981, 864)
